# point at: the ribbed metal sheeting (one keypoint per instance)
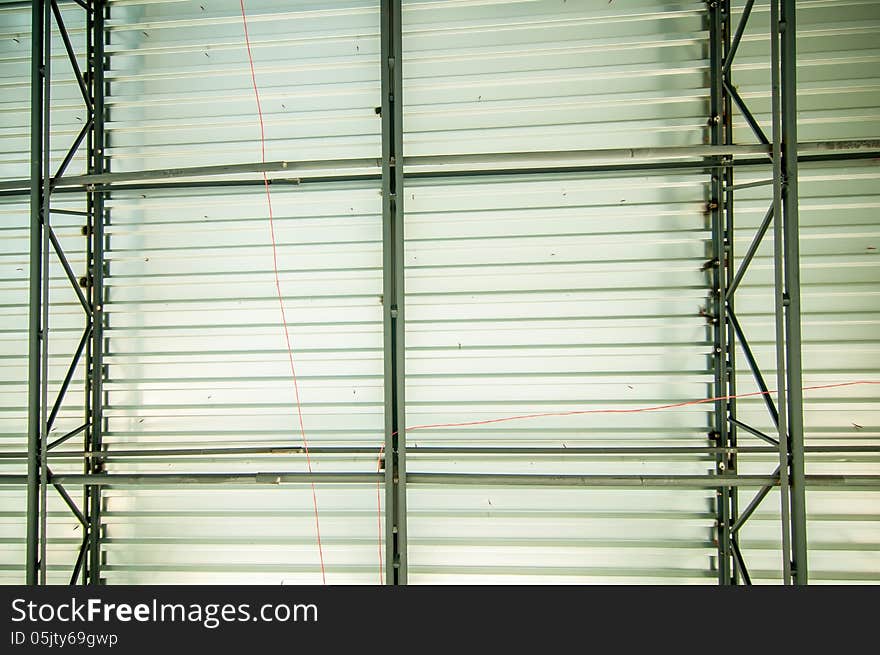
(523, 293)
(197, 353)
(67, 321)
(528, 295)
(181, 91)
(197, 358)
(487, 76)
(550, 294)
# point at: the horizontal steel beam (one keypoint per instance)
(450, 479)
(438, 450)
(184, 479)
(440, 165)
(635, 481)
(21, 4)
(631, 168)
(435, 163)
(101, 179)
(623, 159)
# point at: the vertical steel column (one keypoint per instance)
(792, 299)
(717, 266)
(87, 231)
(95, 436)
(44, 326)
(730, 270)
(35, 335)
(779, 295)
(393, 293)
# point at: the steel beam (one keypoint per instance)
(638, 481)
(445, 451)
(748, 428)
(718, 282)
(753, 248)
(749, 185)
(622, 168)
(727, 177)
(180, 480)
(68, 377)
(35, 341)
(779, 293)
(753, 366)
(792, 298)
(393, 294)
(747, 114)
(93, 440)
(82, 565)
(601, 160)
(740, 562)
(80, 558)
(45, 300)
(95, 178)
(71, 55)
(68, 270)
(69, 501)
(753, 505)
(737, 37)
(69, 435)
(183, 480)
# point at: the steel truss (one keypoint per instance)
(786, 412)
(781, 152)
(47, 19)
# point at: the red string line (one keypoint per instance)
(578, 412)
(278, 289)
(653, 408)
